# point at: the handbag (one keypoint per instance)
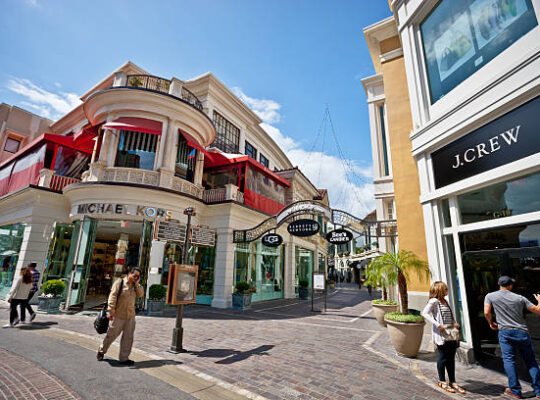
(450, 333)
(101, 323)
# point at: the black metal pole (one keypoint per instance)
(178, 331)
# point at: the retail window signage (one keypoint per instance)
(461, 36)
(170, 231)
(303, 227)
(509, 138)
(318, 281)
(203, 237)
(123, 209)
(272, 240)
(182, 284)
(339, 236)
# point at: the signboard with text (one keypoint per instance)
(182, 284)
(318, 281)
(203, 237)
(303, 227)
(170, 231)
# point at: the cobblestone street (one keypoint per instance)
(282, 350)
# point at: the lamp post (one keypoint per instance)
(178, 331)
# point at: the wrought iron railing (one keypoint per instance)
(191, 99)
(58, 183)
(149, 82)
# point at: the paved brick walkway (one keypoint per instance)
(282, 350)
(24, 380)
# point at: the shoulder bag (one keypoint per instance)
(101, 323)
(450, 333)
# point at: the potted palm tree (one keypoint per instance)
(303, 291)
(241, 297)
(405, 330)
(378, 276)
(49, 301)
(156, 299)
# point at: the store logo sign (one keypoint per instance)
(303, 227)
(123, 209)
(513, 136)
(272, 240)
(339, 236)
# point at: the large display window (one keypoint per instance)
(304, 262)
(513, 197)
(461, 36)
(136, 150)
(10, 245)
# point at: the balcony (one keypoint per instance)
(219, 195)
(57, 183)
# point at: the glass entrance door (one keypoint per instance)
(482, 269)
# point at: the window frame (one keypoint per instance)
(227, 134)
(250, 150)
(266, 161)
(13, 139)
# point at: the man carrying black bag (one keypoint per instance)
(121, 308)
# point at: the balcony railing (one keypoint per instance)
(150, 82)
(131, 175)
(218, 195)
(48, 179)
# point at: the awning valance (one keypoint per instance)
(135, 124)
(193, 143)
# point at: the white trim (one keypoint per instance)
(391, 55)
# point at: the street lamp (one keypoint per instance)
(178, 331)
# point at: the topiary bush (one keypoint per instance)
(406, 318)
(157, 292)
(242, 287)
(54, 287)
(384, 302)
(303, 283)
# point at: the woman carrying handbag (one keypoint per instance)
(446, 335)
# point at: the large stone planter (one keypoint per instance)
(379, 310)
(241, 301)
(155, 307)
(303, 293)
(49, 305)
(406, 337)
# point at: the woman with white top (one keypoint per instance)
(18, 296)
(439, 313)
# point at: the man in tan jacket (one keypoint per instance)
(121, 308)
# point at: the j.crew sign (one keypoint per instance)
(509, 138)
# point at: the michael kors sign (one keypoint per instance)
(513, 136)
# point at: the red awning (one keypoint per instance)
(135, 124)
(193, 143)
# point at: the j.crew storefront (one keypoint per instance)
(484, 211)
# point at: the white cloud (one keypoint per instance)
(349, 184)
(47, 104)
(33, 3)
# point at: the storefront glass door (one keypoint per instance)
(10, 244)
(512, 251)
(304, 265)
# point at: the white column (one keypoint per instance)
(163, 151)
(113, 145)
(105, 144)
(290, 269)
(120, 79)
(224, 269)
(199, 165)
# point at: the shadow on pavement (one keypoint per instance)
(483, 388)
(154, 363)
(231, 356)
(37, 325)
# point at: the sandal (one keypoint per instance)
(458, 388)
(445, 386)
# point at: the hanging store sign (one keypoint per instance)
(511, 137)
(122, 209)
(339, 236)
(203, 237)
(272, 240)
(169, 231)
(303, 227)
(182, 284)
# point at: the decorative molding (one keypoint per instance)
(391, 55)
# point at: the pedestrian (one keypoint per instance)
(445, 336)
(18, 296)
(35, 282)
(513, 332)
(121, 308)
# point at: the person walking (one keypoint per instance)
(121, 308)
(35, 282)
(513, 332)
(439, 313)
(18, 296)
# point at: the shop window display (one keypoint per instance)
(136, 150)
(304, 264)
(461, 36)
(10, 244)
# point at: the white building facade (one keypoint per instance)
(473, 71)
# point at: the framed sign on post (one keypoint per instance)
(182, 284)
(318, 282)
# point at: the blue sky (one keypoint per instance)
(286, 59)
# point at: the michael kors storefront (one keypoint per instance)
(484, 211)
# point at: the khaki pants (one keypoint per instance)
(118, 326)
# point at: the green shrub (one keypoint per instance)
(157, 292)
(54, 287)
(400, 317)
(384, 302)
(303, 283)
(242, 287)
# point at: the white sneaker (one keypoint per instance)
(17, 320)
(7, 326)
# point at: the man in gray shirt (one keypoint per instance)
(513, 332)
